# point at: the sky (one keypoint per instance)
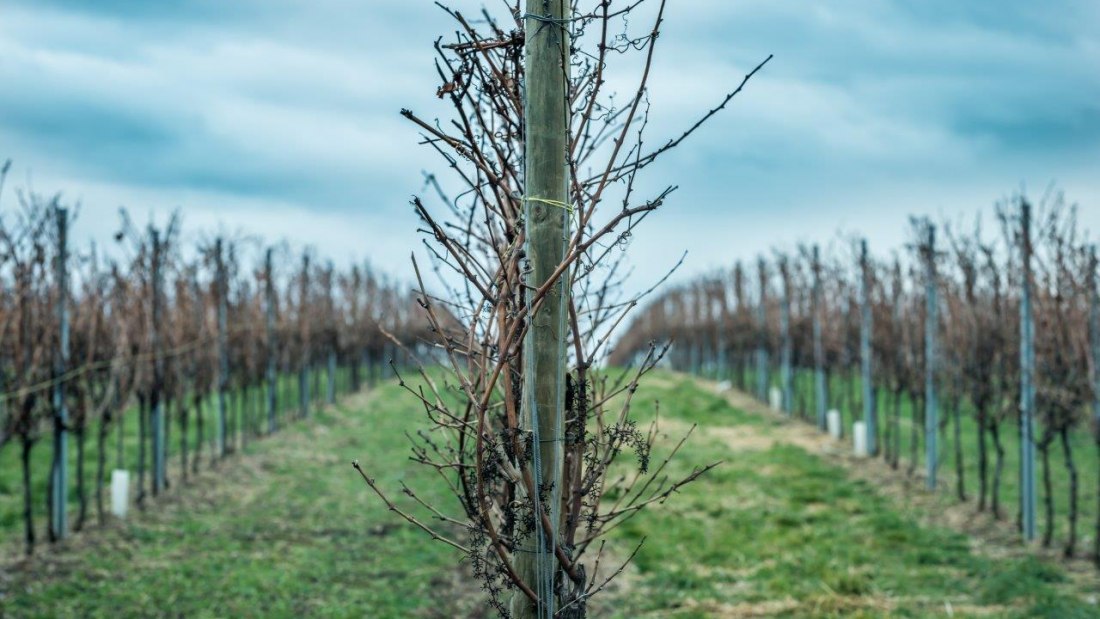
(281, 118)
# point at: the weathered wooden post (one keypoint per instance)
(221, 286)
(547, 114)
(762, 333)
(1027, 383)
(303, 327)
(787, 374)
(820, 389)
(931, 323)
(272, 342)
(157, 395)
(59, 482)
(866, 353)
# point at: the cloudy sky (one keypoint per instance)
(280, 117)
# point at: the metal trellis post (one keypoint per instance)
(762, 334)
(223, 346)
(60, 477)
(866, 353)
(303, 325)
(1094, 331)
(931, 323)
(158, 367)
(272, 342)
(820, 389)
(787, 352)
(1027, 384)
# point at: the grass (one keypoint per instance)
(1083, 444)
(778, 523)
(11, 481)
(291, 530)
(288, 531)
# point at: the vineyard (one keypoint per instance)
(510, 398)
(166, 360)
(971, 360)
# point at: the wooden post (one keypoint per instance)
(931, 322)
(59, 483)
(762, 333)
(866, 353)
(222, 290)
(1027, 383)
(820, 389)
(272, 342)
(785, 327)
(547, 64)
(157, 397)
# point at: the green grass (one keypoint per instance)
(779, 523)
(1082, 442)
(292, 531)
(289, 531)
(11, 480)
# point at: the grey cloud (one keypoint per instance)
(176, 10)
(253, 117)
(915, 105)
(1071, 130)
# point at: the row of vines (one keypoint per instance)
(970, 356)
(160, 355)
